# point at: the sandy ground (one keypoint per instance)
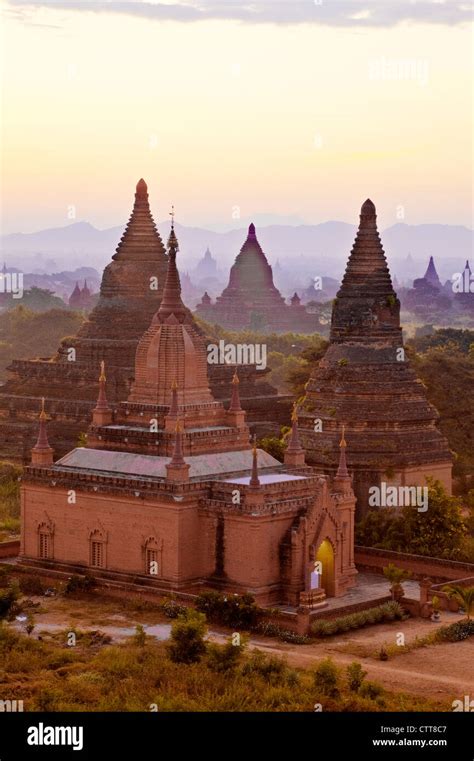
(442, 672)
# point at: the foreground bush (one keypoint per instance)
(236, 611)
(456, 632)
(389, 611)
(77, 584)
(270, 629)
(8, 598)
(187, 638)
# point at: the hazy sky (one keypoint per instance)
(228, 108)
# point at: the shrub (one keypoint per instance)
(31, 585)
(187, 638)
(8, 598)
(139, 637)
(270, 629)
(236, 611)
(172, 609)
(224, 658)
(79, 584)
(389, 611)
(371, 690)
(326, 678)
(456, 632)
(271, 668)
(355, 676)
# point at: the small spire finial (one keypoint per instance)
(235, 405)
(42, 413)
(294, 415)
(172, 216)
(102, 407)
(342, 471)
(342, 443)
(254, 479)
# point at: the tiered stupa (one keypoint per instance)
(130, 294)
(170, 494)
(365, 381)
(251, 300)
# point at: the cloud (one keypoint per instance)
(343, 13)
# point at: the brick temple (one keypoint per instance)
(252, 301)
(130, 294)
(366, 382)
(170, 491)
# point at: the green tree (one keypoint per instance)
(326, 678)
(396, 576)
(187, 637)
(438, 532)
(355, 676)
(464, 596)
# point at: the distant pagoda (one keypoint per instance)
(251, 300)
(130, 294)
(365, 381)
(430, 280)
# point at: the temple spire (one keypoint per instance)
(235, 405)
(294, 454)
(140, 240)
(42, 453)
(173, 411)
(366, 307)
(171, 303)
(102, 414)
(367, 268)
(431, 274)
(177, 469)
(254, 479)
(342, 471)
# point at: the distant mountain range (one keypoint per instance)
(309, 250)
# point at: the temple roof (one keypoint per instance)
(269, 478)
(128, 464)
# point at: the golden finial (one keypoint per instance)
(343, 440)
(178, 428)
(174, 385)
(235, 378)
(294, 415)
(255, 444)
(102, 377)
(42, 413)
(172, 216)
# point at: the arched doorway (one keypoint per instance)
(325, 555)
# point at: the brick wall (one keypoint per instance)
(370, 559)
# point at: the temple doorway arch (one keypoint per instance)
(325, 555)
